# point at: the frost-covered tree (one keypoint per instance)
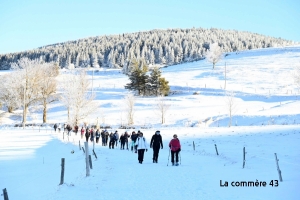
(156, 47)
(162, 107)
(76, 97)
(129, 105)
(29, 78)
(10, 87)
(214, 54)
(94, 60)
(47, 86)
(231, 105)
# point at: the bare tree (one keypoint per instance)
(129, 103)
(231, 105)
(161, 108)
(214, 54)
(29, 75)
(77, 98)
(9, 91)
(67, 89)
(47, 86)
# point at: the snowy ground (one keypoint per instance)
(266, 121)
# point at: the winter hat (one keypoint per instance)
(157, 132)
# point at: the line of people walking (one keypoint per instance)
(138, 141)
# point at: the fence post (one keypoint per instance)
(216, 149)
(279, 171)
(194, 145)
(244, 157)
(87, 159)
(5, 194)
(62, 171)
(90, 161)
(95, 154)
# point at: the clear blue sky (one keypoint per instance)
(28, 24)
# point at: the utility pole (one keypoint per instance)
(23, 124)
(93, 81)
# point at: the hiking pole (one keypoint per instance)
(180, 158)
(169, 157)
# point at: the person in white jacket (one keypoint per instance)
(141, 146)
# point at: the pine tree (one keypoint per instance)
(153, 82)
(138, 78)
(164, 87)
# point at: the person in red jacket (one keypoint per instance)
(175, 148)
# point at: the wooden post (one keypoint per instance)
(95, 154)
(5, 194)
(87, 159)
(90, 161)
(62, 171)
(244, 157)
(83, 150)
(216, 149)
(79, 145)
(279, 171)
(94, 138)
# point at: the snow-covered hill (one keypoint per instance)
(265, 121)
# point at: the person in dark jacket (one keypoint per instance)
(133, 139)
(106, 137)
(175, 148)
(92, 134)
(55, 127)
(97, 135)
(103, 137)
(122, 140)
(126, 136)
(76, 129)
(69, 128)
(156, 143)
(87, 134)
(111, 140)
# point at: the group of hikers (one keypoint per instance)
(67, 128)
(138, 141)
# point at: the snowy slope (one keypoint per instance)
(265, 121)
(116, 174)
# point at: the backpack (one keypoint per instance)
(115, 137)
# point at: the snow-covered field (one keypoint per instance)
(265, 121)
